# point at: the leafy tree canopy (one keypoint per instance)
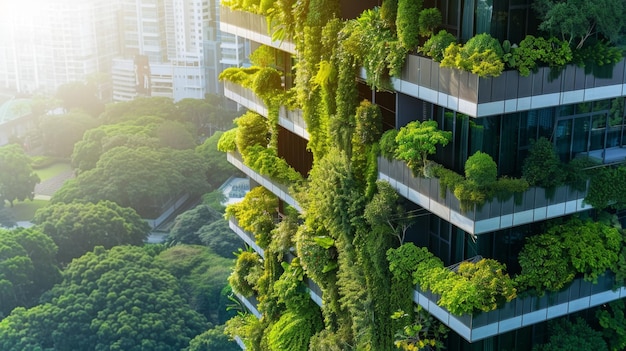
(142, 178)
(218, 168)
(213, 339)
(27, 267)
(203, 275)
(80, 95)
(576, 20)
(187, 224)
(109, 300)
(17, 180)
(60, 132)
(78, 227)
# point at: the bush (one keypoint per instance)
(437, 44)
(389, 12)
(252, 129)
(227, 141)
(406, 25)
(481, 170)
(481, 55)
(266, 82)
(542, 167)
(388, 144)
(537, 50)
(429, 20)
(247, 271)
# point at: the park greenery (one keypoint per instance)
(82, 276)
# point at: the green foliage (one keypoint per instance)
(255, 214)
(597, 55)
(252, 129)
(577, 335)
(142, 178)
(248, 269)
(243, 76)
(213, 339)
(80, 96)
(292, 332)
(103, 304)
(533, 51)
(407, 23)
(436, 45)
(611, 319)
(27, 267)
(422, 333)
(158, 107)
(227, 142)
(186, 227)
(248, 328)
(218, 168)
(267, 162)
(389, 12)
(267, 82)
(220, 238)
(428, 21)
(264, 56)
(607, 188)
(388, 144)
(326, 340)
(542, 166)
(481, 55)
(17, 179)
(481, 169)
(202, 274)
(78, 227)
(61, 132)
(575, 20)
(480, 286)
(551, 260)
(417, 140)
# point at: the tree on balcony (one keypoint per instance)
(417, 140)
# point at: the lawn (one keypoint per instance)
(25, 210)
(53, 170)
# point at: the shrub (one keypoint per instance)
(248, 269)
(266, 82)
(389, 12)
(437, 44)
(428, 20)
(227, 141)
(255, 214)
(417, 140)
(388, 144)
(537, 50)
(481, 169)
(481, 55)
(542, 166)
(406, 25)
(252, 129)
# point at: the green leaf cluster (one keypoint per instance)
(533, 51)
(417, 140)
(436, 45)
(255, 214)
(17, 179)
(481, 55)
(542, 166)
(248, 269)
(551, 260)
(568, 335)
(407, 23)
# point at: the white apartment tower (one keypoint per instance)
(44, 44)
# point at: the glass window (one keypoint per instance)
(563, 139)
(581, 135)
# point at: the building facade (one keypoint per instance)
(579, 110)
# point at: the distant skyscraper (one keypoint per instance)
(44, 44)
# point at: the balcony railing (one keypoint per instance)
(251, 304)
(251, 26)
(289, 119)
(532, 205)
(524, 311)
(280, 190)
(246, 236)
(478, 97)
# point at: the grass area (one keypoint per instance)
(25, 210)
(53, 170)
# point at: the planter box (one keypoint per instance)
(523, 311)
(532, 205)
(479, 97)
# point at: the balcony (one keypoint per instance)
(280, 190)
(533, 205)
(523, 311)
(246, 236)
(251, 26)
(479, 97)
(251, 304)
(290, 120)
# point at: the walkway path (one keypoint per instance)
(48, 187)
